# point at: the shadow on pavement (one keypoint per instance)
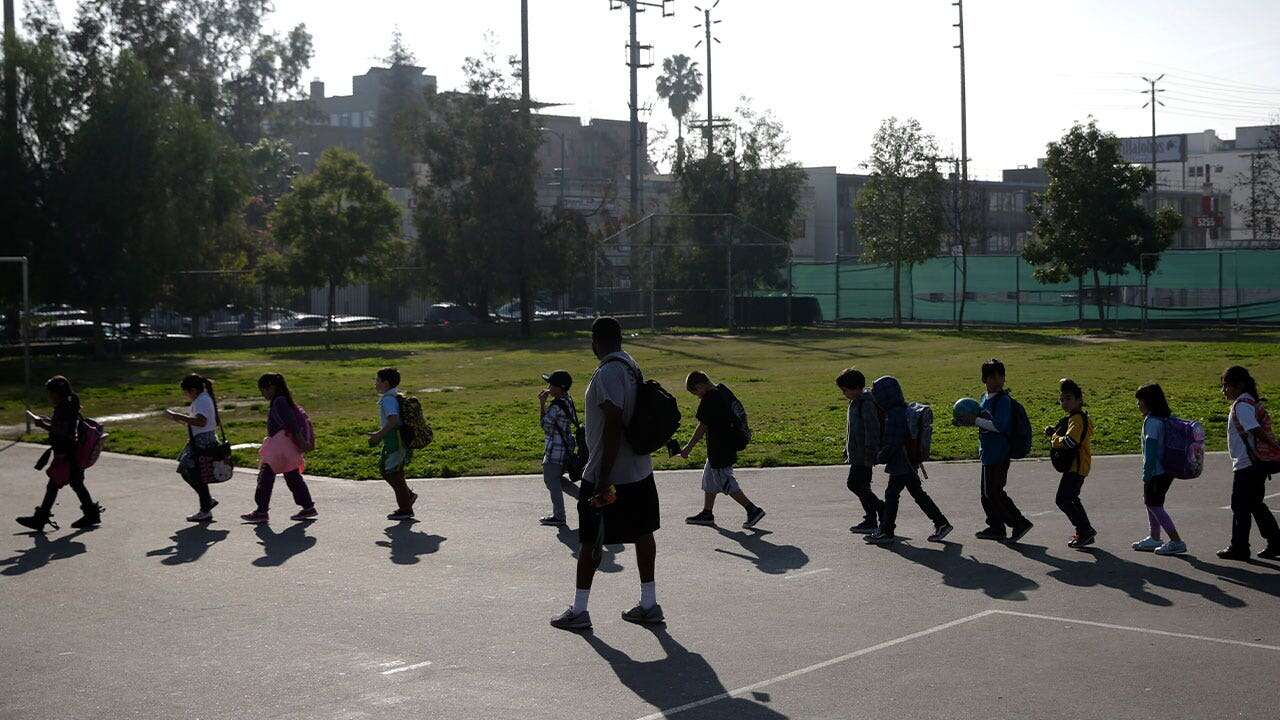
(277, 548)
(1238, 574)
(189, 544)
(680, 678)
(43, 551)
(968, 573)
(766, 556)
(408, 545)
(1107, 570)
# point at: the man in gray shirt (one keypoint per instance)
(614, 468)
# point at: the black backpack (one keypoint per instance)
(1019, 430)
(656, 415)
(575, 458)
(1063, 458)
(741, 429)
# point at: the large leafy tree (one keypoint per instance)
(401, 104)
(680, 84)
(899, 211)
(1260, 208)
(1090, 220)
(337, 226)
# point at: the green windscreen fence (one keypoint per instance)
(1191, 286)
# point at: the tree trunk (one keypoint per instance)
(964, 284)
(897, 294)
(679, 144)
(333, 298)
(1097, 291)
(99, 339)
(526, 311)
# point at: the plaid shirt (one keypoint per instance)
(556, 426)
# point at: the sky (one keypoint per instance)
(831, 70)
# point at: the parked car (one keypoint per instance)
(449, 314)
(349, 322)
(305, 322)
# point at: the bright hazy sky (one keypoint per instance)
(832, 69)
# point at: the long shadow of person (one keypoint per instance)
(680, 678)
(189, 544)
(766, 556)
(1237, 575)
(43, 551)
(277, 548)
(408, 545)
(968, 573)
(1131, 578)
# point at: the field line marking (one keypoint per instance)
(414, 666)
(788, 576)
(1147, 631)
(816, 666)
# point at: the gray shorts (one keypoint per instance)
(719, 480)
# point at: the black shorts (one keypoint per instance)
(633, 515)
(1154, 490)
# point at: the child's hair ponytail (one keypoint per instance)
(199, 383)
(1239, 376)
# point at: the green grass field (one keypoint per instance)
(480, 396)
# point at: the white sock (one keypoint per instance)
(648, 595)
(580, 600)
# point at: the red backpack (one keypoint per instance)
(1265, 451)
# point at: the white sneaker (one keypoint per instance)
(1148, 544)
(1173, 547)
(201, 516)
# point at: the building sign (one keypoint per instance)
(1169, 148)
(1208, 221)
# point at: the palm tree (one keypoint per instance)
(680, 84)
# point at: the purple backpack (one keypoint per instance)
(1183, 455)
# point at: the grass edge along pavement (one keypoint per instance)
(480, 395)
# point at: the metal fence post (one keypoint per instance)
(25, 324)
(955, 318)
(1220, 287)
(837, 302)
(790, 284)
(728, 278)
(1017, 290)
(653, 280)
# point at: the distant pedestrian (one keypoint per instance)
(719, 423)
(282, 451)
(892, 406)
(995, 431)
(861, 446)
(1155, 481)
(63, 427)
(1072, 455)
(395, 454)
(1253, 449)
(618, 500)
(195, 463)
(558, 418)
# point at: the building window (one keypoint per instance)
(333, 120)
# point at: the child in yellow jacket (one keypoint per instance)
(1073, 456)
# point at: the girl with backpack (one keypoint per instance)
(1155, 480)
(282, 451)
(63, 427)
(1072, 456)
(558, 418)
(195, 462)
(1251, 445)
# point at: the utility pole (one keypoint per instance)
(526, 309)
(10, 82)
(962, 209)
(1153, 101)
(708, 133)
(634, 8)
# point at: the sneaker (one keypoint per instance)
(255, 517)
(865, 527)
(703, 518)
(754, 517)
(644, 616)
(570, 620)
(1019, 532)
(990, 534)
(1173, 547)
(1082, 540)
(1234, 553)
(1272, 552)
(941, 532)
(305, 514)
(1148, 544)
(201, 516)
(401, 514)
(881, 538)
(552, 521)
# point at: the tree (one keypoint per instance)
(1090, 219)
(899, 212)
(1261, 209)
(680, 84)
(337, 226)
(967, 211)
(400, 104)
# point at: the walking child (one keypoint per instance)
(861, 445)
(892, 405)
(1071, 453)
(63, 427)
(195, 462)
(719, 423)
(282, 452)
(1155, 481)
(1248, 433)
(558, 417)
(395, 455)
(995, 427)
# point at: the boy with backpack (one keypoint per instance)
(559, 421)
(892, 406)
(722, 419)
(395, 452)
(1004, 434)
(861, 445)
(1072, 456)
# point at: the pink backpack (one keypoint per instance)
(92, 438)
(307, 441)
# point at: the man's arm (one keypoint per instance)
(693, 441)
(612, 440)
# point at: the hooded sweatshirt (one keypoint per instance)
(893, 452)
(862, 432)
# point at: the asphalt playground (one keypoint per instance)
(354, 616)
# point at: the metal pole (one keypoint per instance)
(954, 290)
(635, 114)
(26, 340)
(728, 278)
(653, 278)
(1017, 289)
(1220, 286)
(706, 24)
(837, 302)
(790, 285)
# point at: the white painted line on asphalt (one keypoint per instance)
(1272, 495)
(393, 663)
(414, 666)
(1147, 631)
(1038, 514)
(788, 576)
(817, 666)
